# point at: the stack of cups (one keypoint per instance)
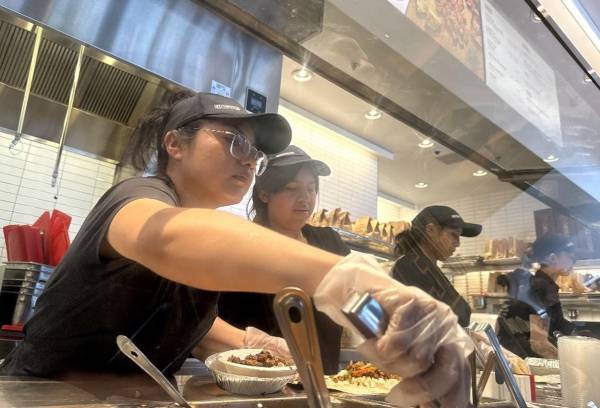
(579, 359)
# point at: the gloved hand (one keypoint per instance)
(423, 342)
(517, 364)
(256, 338)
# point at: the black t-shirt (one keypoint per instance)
(416, 269)
(89, 301)
(256, 309)
(514, 315)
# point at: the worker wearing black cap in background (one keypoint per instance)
(434, 236)
(530, 322)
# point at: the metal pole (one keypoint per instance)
(32, 64)
(65, 126)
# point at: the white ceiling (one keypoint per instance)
(411, 164)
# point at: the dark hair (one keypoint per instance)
(273, 180)
(411, 239)
(408, 240)
(146, 142)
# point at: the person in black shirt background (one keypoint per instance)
(530, 322)
(283, 199)
(434, 236)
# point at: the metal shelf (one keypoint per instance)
(361, 243)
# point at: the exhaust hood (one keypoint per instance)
(135, 55)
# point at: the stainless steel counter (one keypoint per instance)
(198, 388)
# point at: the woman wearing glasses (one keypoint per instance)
(153, 255)
(283, 198)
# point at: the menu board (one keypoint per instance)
(454, 24)
(516, 73)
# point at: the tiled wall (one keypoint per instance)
(502, 214)
(25, 177)
(352, 184)
(391, 211)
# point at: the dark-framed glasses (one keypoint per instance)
(241, 148)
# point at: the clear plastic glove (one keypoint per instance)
(517, 364)
(423, 342)
(256, 338)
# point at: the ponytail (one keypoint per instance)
(146, 142)
(407, 241)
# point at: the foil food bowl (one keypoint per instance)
(243, 384)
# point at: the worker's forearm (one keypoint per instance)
(215, 250)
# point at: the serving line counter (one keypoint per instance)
(200, 390)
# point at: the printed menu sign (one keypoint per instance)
(453, 24)
(516, 72)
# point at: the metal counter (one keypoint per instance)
(198, 389)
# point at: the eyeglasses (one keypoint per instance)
(241, 148)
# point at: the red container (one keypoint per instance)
(23, 243)
(44, 224)
(15, 244)
(59, 236)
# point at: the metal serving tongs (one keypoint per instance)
(135, 355)
(294, 312)
(495, 360)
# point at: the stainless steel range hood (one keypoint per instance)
(136, 52)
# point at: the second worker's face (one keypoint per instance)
(291, 207)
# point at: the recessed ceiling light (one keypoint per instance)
(302, 75)
(586, 78)
(535, 17)
(425, 144)
(421, 185)
(386, 35)
(480, 173)
(373, 114)
(551, 159)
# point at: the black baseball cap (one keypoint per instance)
(551, 243)
(294, 155)
(271, 130)
(445, 217)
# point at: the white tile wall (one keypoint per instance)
(502, 214)
(352, 184)
(25, 190)
(391, 211)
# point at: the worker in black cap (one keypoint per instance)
(434, 236)
(205, 150)
(283, 198)
(531, 321)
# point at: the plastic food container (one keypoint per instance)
(246, 384)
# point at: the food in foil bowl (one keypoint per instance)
(241, 372)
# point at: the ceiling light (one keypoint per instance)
(535, 17)
(480, 173)
(551, 159)
(426, 144)
(386, 35)
(373, 114)
(302, 75)
(421, 185)
(586, 78)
